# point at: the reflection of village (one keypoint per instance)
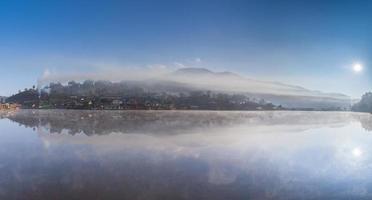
(204, 157)
(149, 122)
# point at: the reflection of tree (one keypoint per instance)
(365, 103)
(165, 122)
(365, 121)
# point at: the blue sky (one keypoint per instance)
(307, 43)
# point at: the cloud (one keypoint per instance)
(111, 74)
(179, 65)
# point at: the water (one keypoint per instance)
(185, 155)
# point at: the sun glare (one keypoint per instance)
(357, 67)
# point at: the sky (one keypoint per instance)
(311, 43)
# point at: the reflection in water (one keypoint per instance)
(365, 120)
(357, 152)
(184, 155)
(168, 122)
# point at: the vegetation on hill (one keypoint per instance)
(365, 103)
(28, 98)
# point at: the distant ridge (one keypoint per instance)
(191, 71)
(203, 71)
(276, 92)
(230, 75)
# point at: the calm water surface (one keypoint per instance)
(185, 155)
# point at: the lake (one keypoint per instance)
(69, 154)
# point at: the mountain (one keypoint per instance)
(204, 72)
(27, 97)
(201, 76)
(279, 93)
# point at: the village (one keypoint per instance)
(32, 99)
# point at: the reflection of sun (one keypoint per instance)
(357, 152)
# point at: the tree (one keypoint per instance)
(365, 103)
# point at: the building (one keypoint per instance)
(7, 106)
(2, 99)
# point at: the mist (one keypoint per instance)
(195, 78)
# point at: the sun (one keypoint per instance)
(357, 67)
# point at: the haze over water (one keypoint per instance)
(185, 155)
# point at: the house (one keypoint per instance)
(2, 99)
(7, 106)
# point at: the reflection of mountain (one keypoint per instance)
(219, 155)
(172, 122)
(211, 139)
